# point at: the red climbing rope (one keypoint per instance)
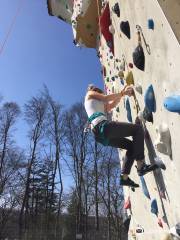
(11, 26)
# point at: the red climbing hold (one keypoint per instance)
(127, 204)
(130, 65)
(105, 22)
(160, 223)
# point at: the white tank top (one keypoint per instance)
(93, 106)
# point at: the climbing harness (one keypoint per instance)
(99, 128)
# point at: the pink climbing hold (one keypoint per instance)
(127, 204)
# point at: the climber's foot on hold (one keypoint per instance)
(128, 182)
(146, 168)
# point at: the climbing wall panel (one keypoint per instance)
(161, 70)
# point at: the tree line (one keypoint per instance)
(34, 203)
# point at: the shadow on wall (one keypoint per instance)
(161, 187)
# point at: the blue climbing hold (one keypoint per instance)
(128, 109)
(122, 81)
(154, 207)
(144, 187)
(149, 99)
(151, 24)
(172, 103)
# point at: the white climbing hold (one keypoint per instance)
(163, 142)
(111, 29)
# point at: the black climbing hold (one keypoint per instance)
(139, 58)
(147, 115)
(116, 9)
(125, 28)
(113, 78)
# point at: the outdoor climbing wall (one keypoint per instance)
(162, 70)
(138, 44)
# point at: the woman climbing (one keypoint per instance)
(111, 133)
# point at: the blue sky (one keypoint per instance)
(40, 51)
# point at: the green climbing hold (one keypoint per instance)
(88, 26)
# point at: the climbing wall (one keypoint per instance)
(154, 207)
(138, 45)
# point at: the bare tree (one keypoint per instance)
(35, 112)
(76, 149)
(8, 116)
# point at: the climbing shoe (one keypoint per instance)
(128, 182)
(146, 168)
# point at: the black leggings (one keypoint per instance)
(117, 132)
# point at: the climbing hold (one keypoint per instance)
(121, 74)
(127, 204)
(154, 207)
(125, 28)
(151, 24)
(123, 65)
(139, 229)
(116, 9)
(147, 115)
(105, 22)
(175, 231)
(172, 103)
(88, 26)
(130, 78)
(138, 88)
(149, 99)
(130, 65)
(104, 71)
(107, 79)
(160, 222)
(111, 29)
(139, 58)
(163, 141)
(113, 78)
(144, 187)
(128, 109)
(122, 81)
(117, 109)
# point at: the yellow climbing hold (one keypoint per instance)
(130, 78)
(121, 74)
